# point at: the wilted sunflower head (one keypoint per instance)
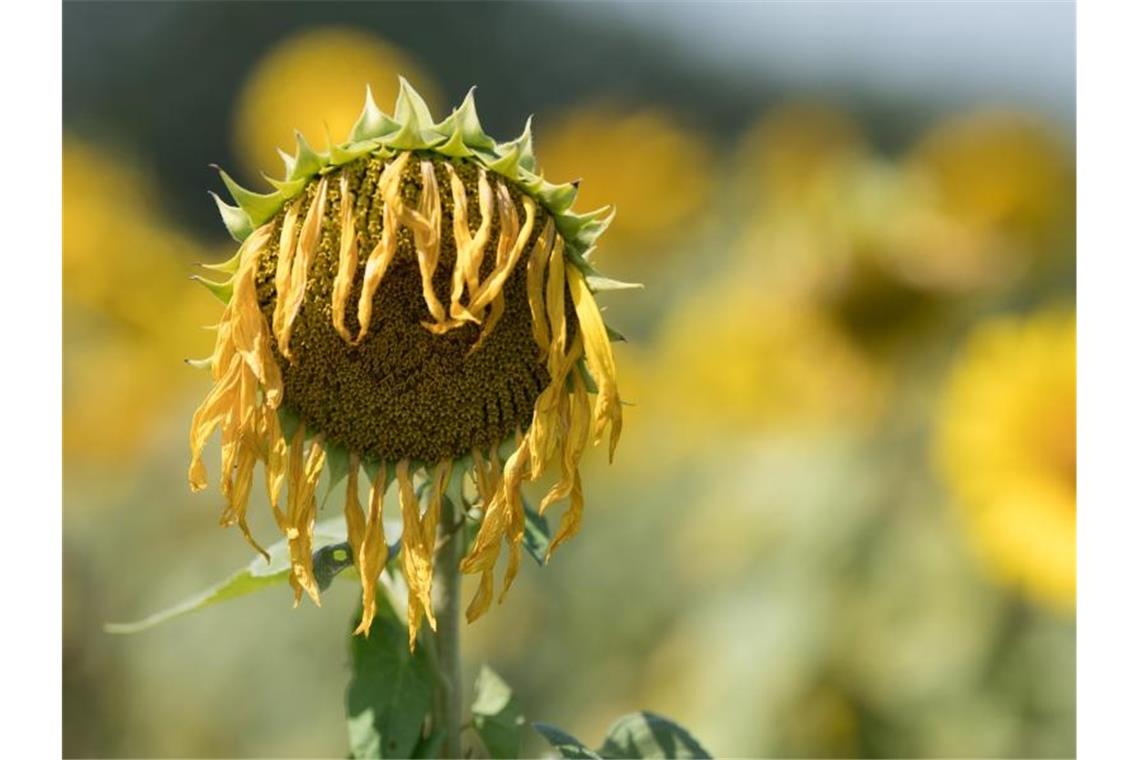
(415, 300)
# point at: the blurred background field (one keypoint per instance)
(842, 520)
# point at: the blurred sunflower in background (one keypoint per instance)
(623, 151)
(129, 317)
(311, 82)
(1006, 446)
(984, 196)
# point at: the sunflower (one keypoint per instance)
(1006, 446)
(415, 304)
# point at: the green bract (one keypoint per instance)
(413, 128)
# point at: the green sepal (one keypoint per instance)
(536, 534)
(411, 137)
(260, 207)
(507, 164)
(339, 155)
(599, 284)
(525, 145)
(416, 126)
(236, 221)
(454, 147)
(373, 122)
(337, 462)
(464, 121)
(229, 266)
(289, 422)
(614, 335)
(287, 188)
(307, 162)
(288, 161)
(530, 182)
(558, 198)
(372, 469)
(587, 378)
(223, 291)
(585, 229)
(410, 106)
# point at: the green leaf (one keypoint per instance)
(536, 534)
(328, 537)
(391, 689)
(565, 744)
(648, 735)
(496, 715)
(429, 746)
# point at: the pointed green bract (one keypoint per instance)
(236, 221)
(223, 291)
(459, 136)
(259, 207)
(525, 146)
(372, 123)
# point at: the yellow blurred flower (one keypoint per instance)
(128, 316)
(312, 81)
(983, 196)
(1006, 446)
(622, 152)
(974, 203)
(796, 152)
(743, 360)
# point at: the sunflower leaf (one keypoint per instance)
(565, 744)
(645, 734)
(496, 715)
(328, 535)
(391, 689)
(536, 535)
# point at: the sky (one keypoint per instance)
(1018, 52)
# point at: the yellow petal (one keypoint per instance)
(346, 263)
(599, 358)
(388, 187)
(535, 278)
(307, 243)
(427, 238)
(285, 251)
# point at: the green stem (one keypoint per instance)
(449, 696)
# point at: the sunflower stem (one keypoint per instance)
(449, 691)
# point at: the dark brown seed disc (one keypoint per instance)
(404, 392)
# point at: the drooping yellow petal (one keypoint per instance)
(535, 280)
(599, 358)
(299, 273)
(346, 263)
(415, 555)
(276, 463)
(426, 234)
(304, 472)
(209, 415)
(464, 245)
(556, 305)
(512, 241)
(483, 234)
(503, 518)
(285, 250)
(372, 553)
(388, 187)
(573, 445)
(235, 511)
